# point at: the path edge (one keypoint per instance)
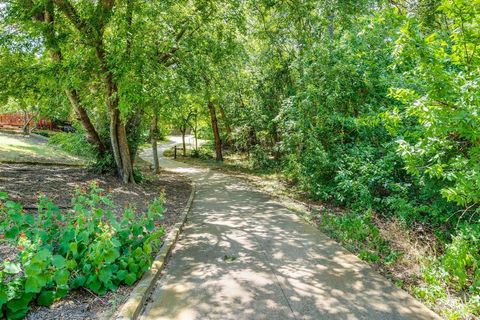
(130, 310)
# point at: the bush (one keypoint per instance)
(259, 158)
(454, 274)
(88, 246)
(73, 143)
(358, 234)
(77, 145)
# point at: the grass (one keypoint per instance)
(21, 149)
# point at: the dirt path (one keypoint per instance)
(244, 256)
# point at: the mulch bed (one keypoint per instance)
(24, 182)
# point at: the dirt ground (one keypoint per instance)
(23, 182)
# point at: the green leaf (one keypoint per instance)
(42, 256)
(33, 269)
(12, 205)
(3, 296)
(34, 284)
(12, 233)
(71, 264)
(130, 279)
(105, 275)
(74, 248)
(122, 274)
(61, 277)
(111, 255)
(46, 298)
(93, 283)
(133, 267)
(18, 308)
(78, 282)
(59, 262)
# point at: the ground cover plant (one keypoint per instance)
(61, 250)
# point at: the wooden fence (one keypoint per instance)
(18, 120)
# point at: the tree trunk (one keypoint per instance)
(154, 137)
(216, 132)
(228, 129)
(134, 131)
(184, 146)
(121, 151)
(84, 119)
(26, 123)
(195, 128)
(118, 134)
(196, 139)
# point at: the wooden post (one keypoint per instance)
(175, 152)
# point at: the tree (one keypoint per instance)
(440, 92)
(105, 50)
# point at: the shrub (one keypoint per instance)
(73, 143)
(259, 158)
(454, 274)
(358, 233)
(88, 246)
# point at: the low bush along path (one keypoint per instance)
(243, 256)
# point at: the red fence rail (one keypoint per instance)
(18, 120)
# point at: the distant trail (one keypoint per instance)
(243, 256)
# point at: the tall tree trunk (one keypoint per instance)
(134, 131)
(154, 137)
(184, 145)
(82, 117)
(118, 134)
(216, 132)
(228, 129)
(118, 137)
(26, 123)
(195, 128)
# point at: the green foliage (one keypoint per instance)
(440, 91)
(458, 269)
(77, 145)
(89, 246)
(358, 234)
(73, 143)
(371, 105)
(259, 158)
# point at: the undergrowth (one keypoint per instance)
(61, 250)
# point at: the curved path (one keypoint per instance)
(243, 256)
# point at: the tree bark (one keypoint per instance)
(228, 128)
(134, 131)
(184, 146)
(154, 137)
(82, 117)
(118, 134)
(216, 132)
(26, 123)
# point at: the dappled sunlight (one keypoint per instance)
(244, 256)
(18, 148)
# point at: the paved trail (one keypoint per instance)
(243, 256)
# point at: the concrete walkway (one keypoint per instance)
(243, 256)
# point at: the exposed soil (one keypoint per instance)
(24, 182)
